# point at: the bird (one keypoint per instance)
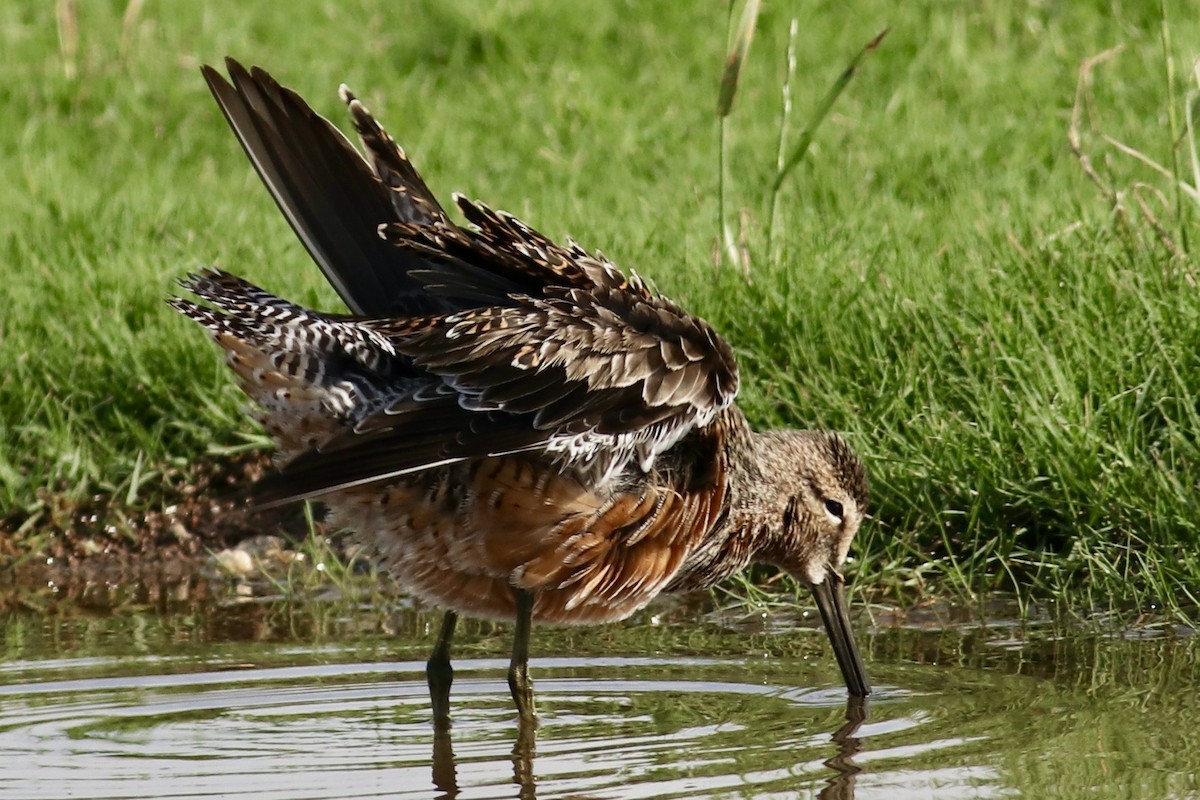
(513, 428)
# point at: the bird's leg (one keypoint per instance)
(438, 671)
(518, 668)
(523, 753)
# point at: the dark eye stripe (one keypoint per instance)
(789, 514)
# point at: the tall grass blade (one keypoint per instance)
(129, 22)
(821, 111)
(784, 118)
(1173, 121)
(739, 48)
(67, 15)
(1189, 110)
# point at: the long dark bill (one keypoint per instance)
(831, 600)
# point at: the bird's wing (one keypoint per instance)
(333, 198)
(594, 378)
(528, 345)
(339, 204)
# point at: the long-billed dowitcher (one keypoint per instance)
(515, 428)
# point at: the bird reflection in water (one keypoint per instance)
(839, 786)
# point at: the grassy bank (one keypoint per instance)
(1018, 364)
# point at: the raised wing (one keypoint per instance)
(526, 345)
(609, 361)
(339, 203)
(332, 197)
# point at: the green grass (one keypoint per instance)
(1019, 366)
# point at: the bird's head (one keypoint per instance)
(822, 487)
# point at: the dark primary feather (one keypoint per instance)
(337, 201)
(511, 341)
(329, 194)
(410, 197)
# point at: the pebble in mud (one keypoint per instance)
(254, 556)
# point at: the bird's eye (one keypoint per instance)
(835, 509)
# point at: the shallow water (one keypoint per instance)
(186, 693)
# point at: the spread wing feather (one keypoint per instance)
(524, 344)
(328, 193)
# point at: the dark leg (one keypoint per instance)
(445, 769)
(518, 669)
(438, 670)
(524, 751)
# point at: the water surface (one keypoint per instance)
(187, 692)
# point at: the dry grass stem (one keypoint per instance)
(739, 48)
(1160, 230)
(1083, 87)
(67, 14)
(129, 21)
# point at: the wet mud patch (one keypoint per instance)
(201, 510)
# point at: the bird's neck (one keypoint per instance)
(761, 478)
(748, 529)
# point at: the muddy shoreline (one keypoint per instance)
(63, 542)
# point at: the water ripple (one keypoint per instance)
(612, 727)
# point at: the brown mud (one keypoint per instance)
(98, 540)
